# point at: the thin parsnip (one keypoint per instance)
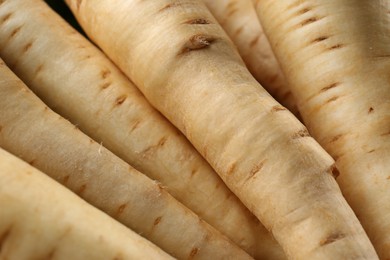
(336, 57)
(238, 18)
(30, 130)
(186, 66)
(41, 219)
(82, 85)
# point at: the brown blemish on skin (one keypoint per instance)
(162, 141)
(303, 11)
(385, 134)
(278, 108)
(15, 31)
(309, 21)
(105, 85)
(4, 236)
(135, 125)
(193, 171)
(320, 39)
(196, 42)
(254, 41)
(82, 189)
(157, 221)
(32, 162)
(256, 169)
(388, 178)
(193, 252)
(6, 17)
(51, 253)
(301, 133)
(119, 100)
(66, 178)
(105, 73)
(334, 171)
(335, 138)
(27, 47)
(231, 168)
(370, 110)
(151, 148)
(337, 46)
(331, 100)
(371, 151)
(333, 85)
(121, 208)
(331, 239)
(197, 21)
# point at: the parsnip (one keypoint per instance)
(336, 57)
(82, 85)
(41, 219)
(33, 132)
(183, 62)
(238, 18)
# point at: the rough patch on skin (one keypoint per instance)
(331, 239)
(334, 171)
(197, 21)
(277, 108)
(197, 42)
(301, 134)
(193, 252)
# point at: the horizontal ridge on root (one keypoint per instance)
(197, 42)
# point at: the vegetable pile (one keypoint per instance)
(195, 129)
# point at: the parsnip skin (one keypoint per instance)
(41, 219)
(263, 153)
(82, 85)
(238, 18)
(335, 54)
(47, 141)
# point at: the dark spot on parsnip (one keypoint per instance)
(15, 31)
(320, 39)
(386, 133)
(332, 99)
(277, 108)
(6, 17)
(157, 221)
(194, 252)
(370, 110)
(256, 169)
(82, 189)
(193, 172)
(197, 21)
(333, 85)
(66, 179)
(121, 208)
(304, 10)
(254, 41)
(105, 73)
(3, 236)
(32, 162)
(119, 100)
(38, 69)
(301, 134)
(334, 171)
(105, 85)
(197, 42)
(27, 47)
(51, 253)
(135, 125)
(231, 168)
(336, 46)
(309, 21)
(335, 138)
(331, 239)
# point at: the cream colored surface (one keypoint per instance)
(336, 56)
(39, 136)
(238, 18)
(79, 82)
(41, 219)
(192, 73)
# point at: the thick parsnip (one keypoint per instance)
(336, 56)
(183, 62)
(33, 132)
(238, 18)
(82, 85)
(41, 219)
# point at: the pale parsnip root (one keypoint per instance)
(238, 18)
(33, 132)
(82, 85)
(336, 57)
(191, 72)
(41, 219)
